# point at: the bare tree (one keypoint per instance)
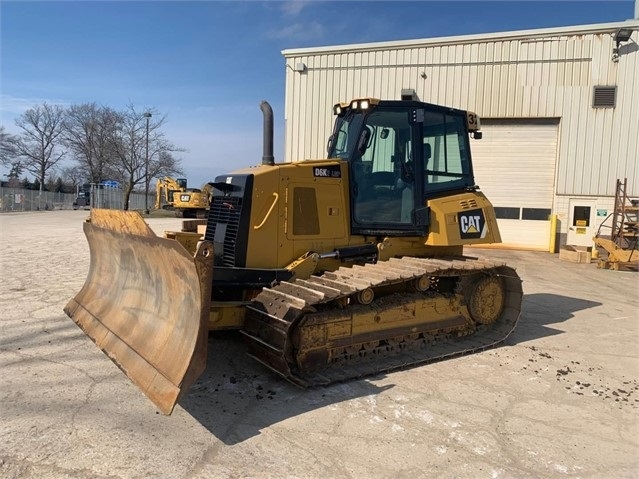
(39, 142)
(163, 163)
(9, 157)
(73, 176)
(87, 131)
(14, 174)
(8, 149)
(128, 145)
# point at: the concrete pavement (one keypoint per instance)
(559, 399)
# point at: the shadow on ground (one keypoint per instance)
(236, 397)
(540, 310)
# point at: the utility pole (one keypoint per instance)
(147, 115)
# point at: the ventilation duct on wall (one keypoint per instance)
(604, 97)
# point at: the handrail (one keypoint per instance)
(268, 213)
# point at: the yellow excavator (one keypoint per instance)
(173, 194)
(331, 269)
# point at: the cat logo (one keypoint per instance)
(472, 224)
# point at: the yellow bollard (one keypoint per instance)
(552, 245)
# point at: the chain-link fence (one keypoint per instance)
(19, 199)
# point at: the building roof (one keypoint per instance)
(483, 37)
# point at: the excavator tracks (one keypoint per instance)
(376, 318)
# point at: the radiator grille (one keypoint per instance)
(225, 210)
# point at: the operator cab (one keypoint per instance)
(400, 154)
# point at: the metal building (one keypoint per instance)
(559, 109)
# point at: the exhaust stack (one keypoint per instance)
(267, 155)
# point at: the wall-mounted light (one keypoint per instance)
(622, 35)
(298, 68)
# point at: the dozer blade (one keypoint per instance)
(145, 303)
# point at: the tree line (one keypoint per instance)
(100, 142)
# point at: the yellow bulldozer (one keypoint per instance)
(331, 269)
(173, 194)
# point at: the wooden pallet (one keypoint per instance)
(618, 265)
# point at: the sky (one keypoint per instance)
(207, 65)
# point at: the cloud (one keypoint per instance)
(299, 32)
(11, 107)
(293, 7)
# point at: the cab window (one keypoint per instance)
(445, 150)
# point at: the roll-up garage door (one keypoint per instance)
(514, 166)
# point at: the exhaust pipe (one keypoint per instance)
(267, 155)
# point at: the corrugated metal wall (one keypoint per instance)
(534, 74)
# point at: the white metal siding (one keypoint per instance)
(514, 166)
(534, 74)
